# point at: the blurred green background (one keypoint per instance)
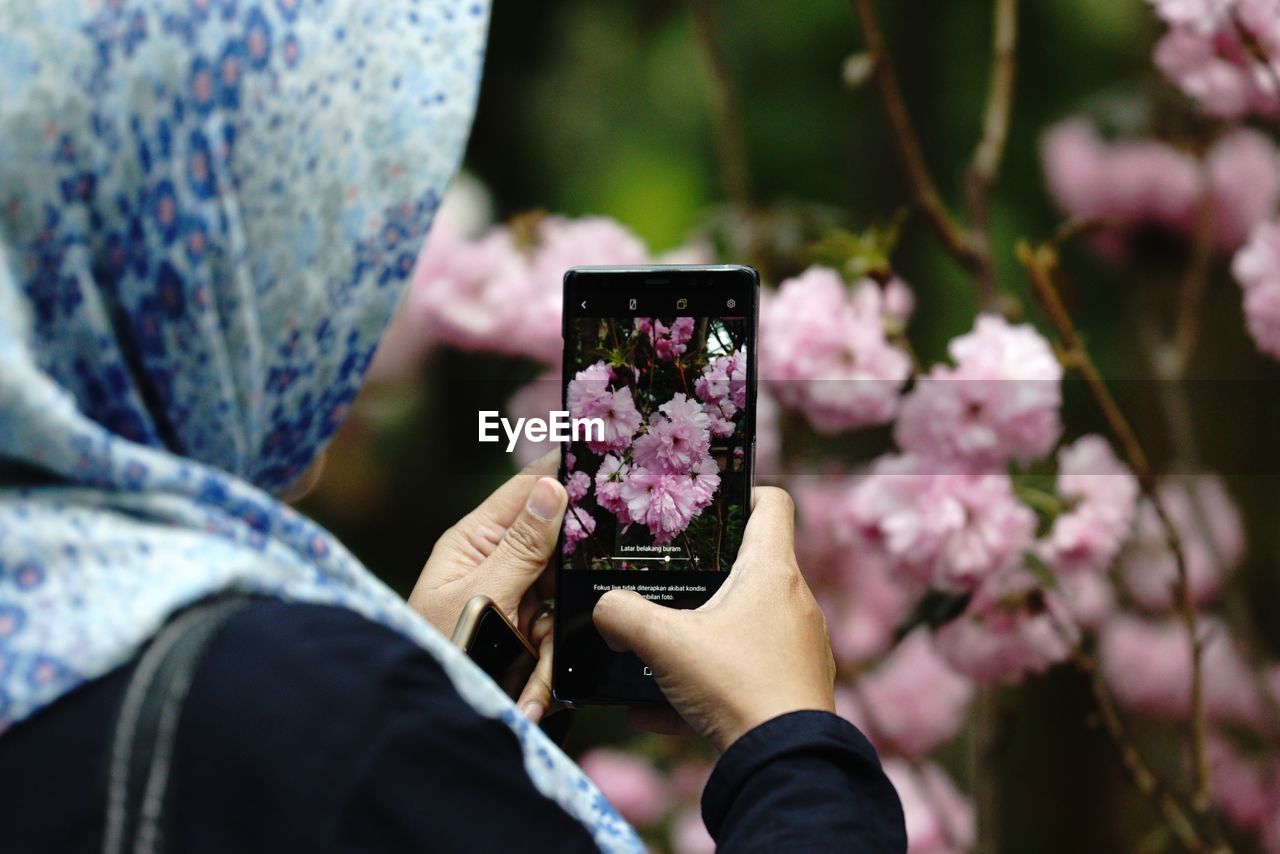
(603, 108)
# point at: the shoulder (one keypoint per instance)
(290, 704)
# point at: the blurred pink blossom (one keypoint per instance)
(940, 522)
(1207, 53)
(1147, 663)
(1146, 182)
(823, 351)
(1246, 789)
(1088, 597)
(689, 835)
(912, 701)
(538, 399)
(1011, 628)
(940, 820)
(863, 598)
(1088, 536)
(629, 782)
(1257, 269)
(609, 478)
(502, 294)
(999, 402)
(1212, 536)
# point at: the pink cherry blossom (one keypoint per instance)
(1207, 53)
(676, 440)
(609, 479)
(863, 598)
(631, 784)
(1257, 269)
(940, 820)
(824, 351)
(705, 478)
(589, 396)
(913, 701)
(722, 387)
(577, 485)
(1212, 537)
(578, 525)
(1148, 666)
(1146, 182)
(1088, 536)
(999, 402)
(1011, 628)
(940, 522)
(662, 502)
(669, 342)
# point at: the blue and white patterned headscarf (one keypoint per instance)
(207, 208)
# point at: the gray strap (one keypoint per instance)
(142, 748)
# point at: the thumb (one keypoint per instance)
(628, 622)
(526, 546)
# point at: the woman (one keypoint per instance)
(206, 209)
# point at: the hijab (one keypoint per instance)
(207, 210)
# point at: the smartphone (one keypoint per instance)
(660, 388)
(496, 646)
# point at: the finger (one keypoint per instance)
(659, 720)
(630, 623)
(541, 628)
(522, 553)
(506, 502)
(770, 534)
(535, 699)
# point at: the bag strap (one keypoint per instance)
(142, 747)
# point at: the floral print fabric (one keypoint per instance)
(207, 208)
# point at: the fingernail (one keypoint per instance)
(532, 710)
(544, 501)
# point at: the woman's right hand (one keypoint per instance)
(755, 650)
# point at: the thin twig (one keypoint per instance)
(731, 137)
(1041, 261)
(985, 165)
(924, 192)
(1194, 285)
(1140, 773)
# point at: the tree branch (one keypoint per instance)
(731, 137)
(985, 166)
(924, 193)
(1041, 261)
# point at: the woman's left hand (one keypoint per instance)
(501, 550)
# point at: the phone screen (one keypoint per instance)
(659, 384)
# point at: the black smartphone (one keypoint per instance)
(660, 390)
(496, 646)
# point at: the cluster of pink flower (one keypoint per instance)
(1144, 182)
(1257, 268)
(659, 473)
(669, 342)
(722, 387)
(646, 798)
(824, 350)
(1223, 53)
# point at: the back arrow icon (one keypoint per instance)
(584, 303)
